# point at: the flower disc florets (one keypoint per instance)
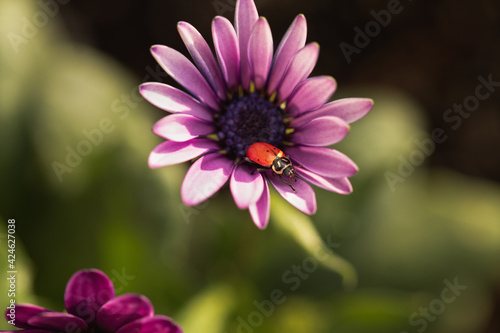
(249, 119)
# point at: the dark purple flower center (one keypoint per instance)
(249, 119)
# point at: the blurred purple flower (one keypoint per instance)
(251, 96)
(93, 308)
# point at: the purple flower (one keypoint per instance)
(93, 308)
(251, 95)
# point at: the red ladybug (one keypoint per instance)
(270, 157)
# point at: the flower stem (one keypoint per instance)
(301, 228)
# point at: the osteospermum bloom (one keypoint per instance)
(251, 94)
(93, 308)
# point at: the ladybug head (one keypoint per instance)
(289, 171)
(281, 165)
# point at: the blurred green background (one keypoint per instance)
(422, 227)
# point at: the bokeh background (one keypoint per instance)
(209, 267)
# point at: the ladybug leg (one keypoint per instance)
(259, 170)
(288, 184)
(299, 177)
(256, 169)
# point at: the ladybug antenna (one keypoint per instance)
(290, 186)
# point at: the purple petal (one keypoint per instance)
(227, 50)
(171, 99)
(260, 53)
(309, 116)
(323, 131)
(182, 127)
(349, 109)
(205, 177)
(304, 199)
(323, 161)
(86, 292)
(123, 310)
(246, 16)
(339, 185)
(310, 94)
(293, 40)
(171, 152)
(203, 57)
(185, 73)
(23, 312)
(246, 187)
(156, 324)
(299, 68)
(62, 322)
(261, 209)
